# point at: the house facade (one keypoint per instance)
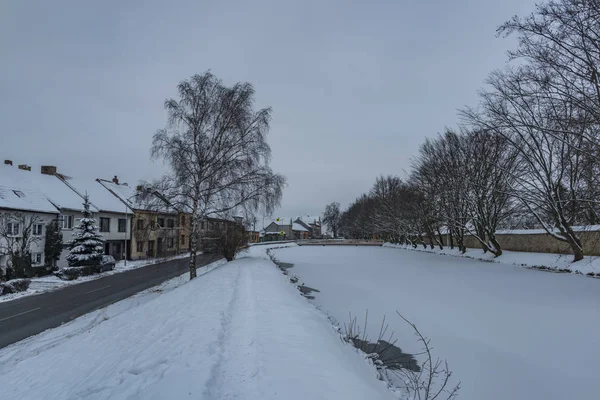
(312, 224)
(24, 216)
(156, 229)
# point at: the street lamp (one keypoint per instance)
(126, 225)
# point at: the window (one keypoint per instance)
(13, 228)
(139, 246)
(151, 248)
(161, 222)
(182, 240)
(38, 229)
(104, 224)
(170, 242)
(153, 224)
(202, 225)
(140, 224)
(170, 223)
(182, 220)
(36, 258)
(67, 222)
(122, 225)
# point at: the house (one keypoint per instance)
(155, 226)
(24, 213)
(312, 224)
(280, 230)
(49, 184)
(253, 236)
(112, 216)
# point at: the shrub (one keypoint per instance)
(71, 273)
(14, 286)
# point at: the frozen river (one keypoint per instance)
(506, 331)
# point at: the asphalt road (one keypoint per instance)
(30, 315)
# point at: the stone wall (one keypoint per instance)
(541, 243)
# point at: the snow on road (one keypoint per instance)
(239, 332)
(507, 332)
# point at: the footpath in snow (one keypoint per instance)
(240, 331)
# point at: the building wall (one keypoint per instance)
(150, 238)
(541, 243)
(37, 246)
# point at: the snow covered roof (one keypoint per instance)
(25, 200)
(310, 219)
(298, 227)
(138, 200)
(100, 198)
(52, 187)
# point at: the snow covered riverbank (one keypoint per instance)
(590, 265)
(240, 331)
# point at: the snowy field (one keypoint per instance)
(506, 331)
(50, 282)
(240, 331)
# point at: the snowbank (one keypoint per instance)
(241, 331)
(557, 262)
(50, 282)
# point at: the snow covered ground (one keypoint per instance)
(50, 282)
(241, 331)
(589, 265)
(506, 331)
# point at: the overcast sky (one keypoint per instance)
(355, 87)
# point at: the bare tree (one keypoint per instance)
(544, 131)
(331, 217)
(215, 144)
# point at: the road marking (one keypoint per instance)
(97, 290)
(23, 313)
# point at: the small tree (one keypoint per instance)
(54, 244)
(230, 240)
(87, 247)
(332, 217)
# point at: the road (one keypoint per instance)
(30, 315)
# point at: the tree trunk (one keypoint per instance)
(193, 240)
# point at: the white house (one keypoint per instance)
(112, 215)
(66, 195)
(23, 210)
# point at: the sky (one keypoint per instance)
(355, 87)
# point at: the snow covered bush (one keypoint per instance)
(87, 247)
(14, 286)
(72, 273)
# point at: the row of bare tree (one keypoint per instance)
(527, 154)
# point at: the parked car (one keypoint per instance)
(107, 263)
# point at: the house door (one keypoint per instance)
(160, 247)
(150, 248)
(117, 252)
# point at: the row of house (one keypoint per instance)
(136, 222)
(303, 227)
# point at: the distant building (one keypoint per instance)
(312, 224)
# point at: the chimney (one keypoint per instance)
(25, 167)
(115, 180)
(8, 162)
(48, 169)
